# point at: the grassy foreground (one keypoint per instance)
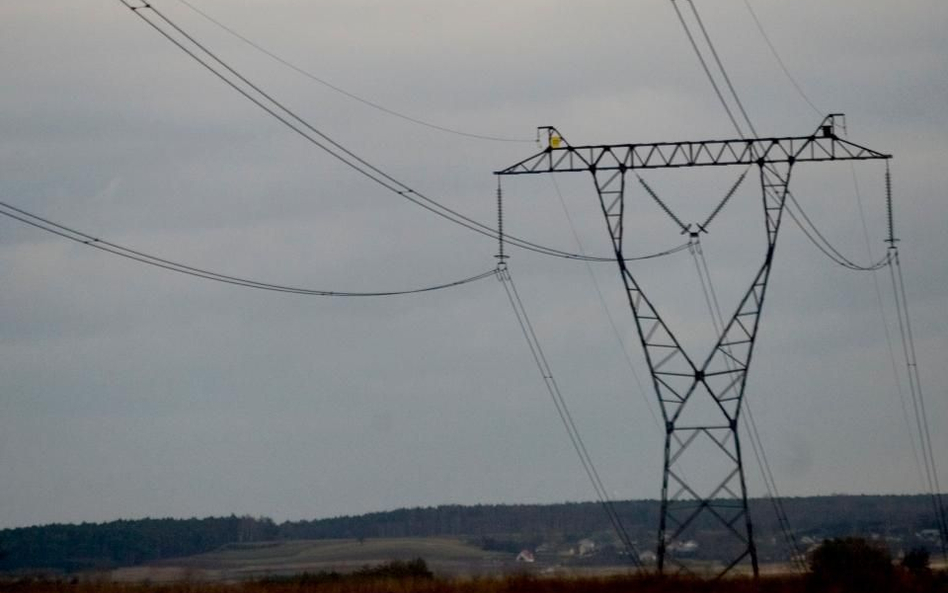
(510, 584)
(327, 583)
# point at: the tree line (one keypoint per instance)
(72, 547)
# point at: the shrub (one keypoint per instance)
(851, 564)
(398, 569)
(916, 561)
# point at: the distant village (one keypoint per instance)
(588, 551)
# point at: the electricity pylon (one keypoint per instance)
(700, 400)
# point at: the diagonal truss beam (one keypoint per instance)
(823, 145)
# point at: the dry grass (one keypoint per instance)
(511, 584)
(450, 557)
(368, 583)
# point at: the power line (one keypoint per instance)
(891, 259)
(927, 468)
(605, 307)
(717, 60)
(914, 378)
(918, 398)
(523, 320)
(885, 326)
(757, 445)
(815, 236)
(552, 387)
(820, 242)
(780, 62)
(255, 94)
(343, 91)
(770, 484)
(88, 240)
(707, 70)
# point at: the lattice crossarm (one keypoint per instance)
(823, 145)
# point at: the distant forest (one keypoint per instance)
(71, 548)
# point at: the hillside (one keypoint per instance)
(481, 533)
(445, 556)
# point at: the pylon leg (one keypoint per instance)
(703, 484)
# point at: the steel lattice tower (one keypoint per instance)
(700, 400)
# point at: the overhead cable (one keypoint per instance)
(552, 387)
(780, 62)
(764, 465)
(750, 425)
(255, 94)
(814, 235)
(891, 259)
(343, 91)
(605, 308)
(706, 68)
(539, 358)
(918, 399)
(882, 317)
(717, 60)
(820, 242)
(88, 240)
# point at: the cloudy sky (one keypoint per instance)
(129, 391)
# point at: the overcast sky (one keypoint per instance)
(129, 391)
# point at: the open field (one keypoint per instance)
(450, 566)
(445, 556)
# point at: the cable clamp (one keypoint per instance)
(693, 231)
